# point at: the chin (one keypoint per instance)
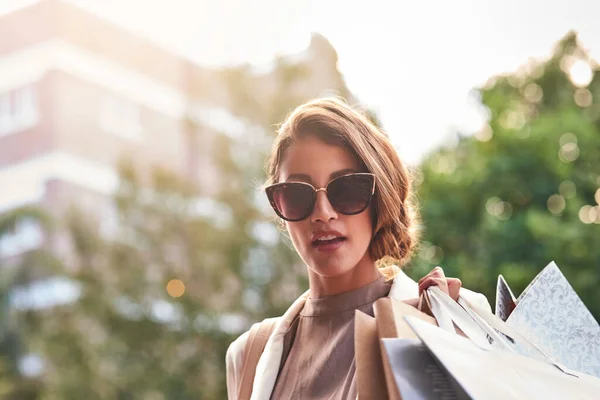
(330, 270)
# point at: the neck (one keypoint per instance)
(362, 274)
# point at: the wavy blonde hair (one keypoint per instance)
(335, 122)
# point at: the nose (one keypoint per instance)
(323, 210)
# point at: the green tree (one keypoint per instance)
(16, 273)
(126, 336)
(523, 191)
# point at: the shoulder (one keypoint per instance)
(234, 364)
(236, 351)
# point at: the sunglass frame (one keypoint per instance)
(270, 190)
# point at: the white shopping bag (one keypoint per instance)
(486, 330)
(552, 316)
(499, 374)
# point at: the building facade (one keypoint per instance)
(77, 93)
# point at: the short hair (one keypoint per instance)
(395, 215)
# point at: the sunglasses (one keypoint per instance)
(348, 194)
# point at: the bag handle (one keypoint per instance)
(432, 308)
(449, 316)
(257, 340)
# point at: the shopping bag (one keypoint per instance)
(505, 299)
(417, 374)
(491, 329)
(370, 378)
(550, 314)
(507, 337)
(374, 376)
(499, 374)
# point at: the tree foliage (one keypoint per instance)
(518, 195)
(17, 272)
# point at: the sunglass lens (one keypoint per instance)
(293, 200)
(351, 194)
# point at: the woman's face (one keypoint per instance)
(313, 161)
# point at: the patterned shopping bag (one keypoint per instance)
(552, 316)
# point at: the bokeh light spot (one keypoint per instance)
(511, 120)
(556, 204)
(568, 152)
(175, 288)
(485, 134)
(567, 62)
(533, 93)
(498, 208)
(567, 189)
(433, 254)
(515, 81)
(504, 210)
(580, 73)
(583, 98)
(567, 138)
(597, 196)
(537, 72)
(490, 205)
(588, 214)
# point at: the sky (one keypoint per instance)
(414, 63)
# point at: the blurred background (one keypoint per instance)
(135, 243)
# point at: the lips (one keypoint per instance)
(327, 240)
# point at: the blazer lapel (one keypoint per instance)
(270, 360)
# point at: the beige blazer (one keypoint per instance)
(403, 288)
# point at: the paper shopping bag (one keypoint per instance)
(498, 374)
(370, 378)
(417, 374)
(389, 316)
(373, 374)
(551, 315)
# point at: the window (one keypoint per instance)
(19, 110)
(26, 113)
(121, 117)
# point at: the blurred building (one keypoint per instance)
(78, 92)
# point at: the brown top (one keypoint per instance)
(318, 349)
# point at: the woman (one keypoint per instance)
(344, 195)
